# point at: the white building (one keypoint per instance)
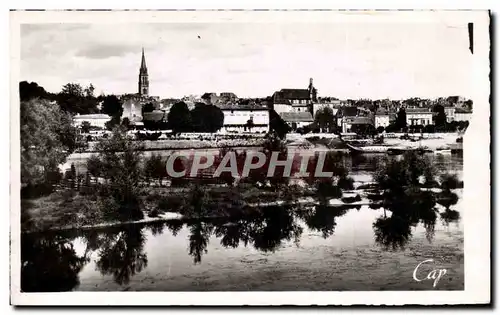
(382, 119)
(463, 115)
(241, 118)
(450, 113)
(95, 120)
(418, 116)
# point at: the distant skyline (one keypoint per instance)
(374, 61)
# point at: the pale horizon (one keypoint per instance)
(347, 61)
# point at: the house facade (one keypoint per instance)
(297, 119)
(95, 120)
(450, 113)
(241, 118)
(295, 100)
(463, 115)
(349, 123)
(381, 119)
(418, 116)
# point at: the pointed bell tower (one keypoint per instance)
(143, 77)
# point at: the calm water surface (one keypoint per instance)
(315, 248)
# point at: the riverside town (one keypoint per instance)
(216, 191)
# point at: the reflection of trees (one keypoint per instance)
(156, 228)
(322, 219)
(449, 216)
(121, 254)
(392, 232)
(408, 208)
(265, 231)
(233, 233)
(49, 264)
(174, 226)
(276, 224)
(198, 239)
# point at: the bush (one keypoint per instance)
(447, 198)
(450, 181)
(346, 183)
(357, 198)
(154, 213)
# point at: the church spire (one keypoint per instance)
(143, 62)
(143, 77)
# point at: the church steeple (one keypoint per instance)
(143, 77)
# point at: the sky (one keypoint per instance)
(348, 60)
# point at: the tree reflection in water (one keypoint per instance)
(392, 232)
(265, 231)
(121, 254)
(49, 264)
(322, 218)
(275, 225)
(198, 239)
(411, 208)
(174, 226)
(449, 216)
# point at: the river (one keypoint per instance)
(317, 248)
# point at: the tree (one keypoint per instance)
(75, 99)
(47, 138)
(325, 119)
(147, 108)
(85, 127)
(112, 106)
(126, 123)
(401, 119)
(32, 90)
(277, 124)
(155, 168)
(112, 123)
(207, 118)
(440, 117)
(94, 167)
(468, 104)
(250, 124)
(179, 118)
(120, 159)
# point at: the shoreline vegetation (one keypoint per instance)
(122, 187)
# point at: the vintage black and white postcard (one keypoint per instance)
(250, 157)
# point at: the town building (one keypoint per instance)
(244, 118)
(349, 123)
(297, 119)
(418, 116)
(95, 120)
(462, 115)
(450, 113)
(295, 100)
(381, 118)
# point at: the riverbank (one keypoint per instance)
(68, 210)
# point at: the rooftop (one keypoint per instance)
(92, 116)
(231, 106)
(292, 94)
(297, 117)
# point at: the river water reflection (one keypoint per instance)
(299, 248)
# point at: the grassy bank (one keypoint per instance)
(68, 209)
